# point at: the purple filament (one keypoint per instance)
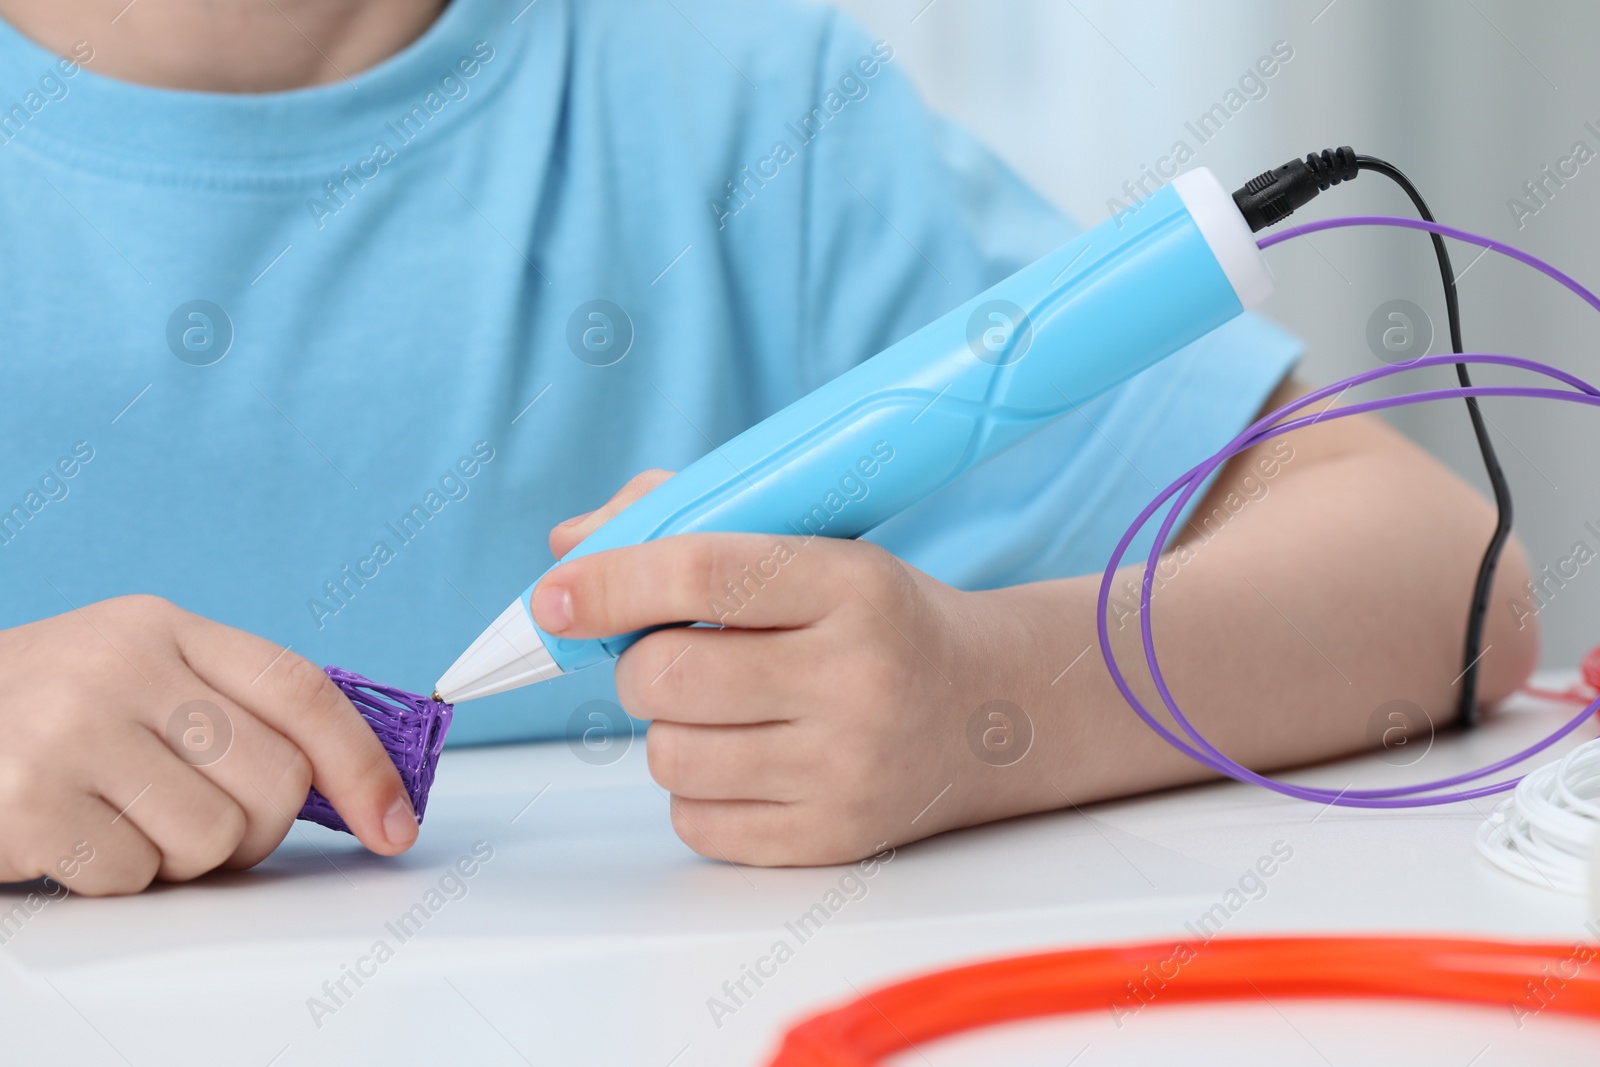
(412, 729)
(1441, 791)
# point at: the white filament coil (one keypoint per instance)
(1545, 831)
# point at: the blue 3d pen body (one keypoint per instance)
(894, 429)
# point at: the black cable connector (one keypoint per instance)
(1273, 196)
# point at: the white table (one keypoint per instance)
(594, 937)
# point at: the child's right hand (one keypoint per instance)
(143, 742)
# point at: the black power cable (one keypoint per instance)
(1273, 196)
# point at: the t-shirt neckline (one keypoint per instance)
(94, 120)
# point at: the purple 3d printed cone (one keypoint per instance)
(412, 729)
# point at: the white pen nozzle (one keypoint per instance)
(507, 655)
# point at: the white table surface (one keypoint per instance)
(594, 936)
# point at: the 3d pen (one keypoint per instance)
(894, 429)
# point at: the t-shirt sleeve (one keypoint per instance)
(910, 216)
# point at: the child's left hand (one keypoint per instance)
(826, 718)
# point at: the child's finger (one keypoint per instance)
(270, 782)
(260, 769)
(191, 822)
(774, 581)
(717, 677)
(758, 832)
(565, 537)
(88, 849)
(291, 695)
(765, 834)
(728, 762)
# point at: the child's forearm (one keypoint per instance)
(1309, 599)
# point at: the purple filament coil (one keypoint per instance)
(1448, 790)
(412, 729)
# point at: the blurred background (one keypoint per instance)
(1473, 99)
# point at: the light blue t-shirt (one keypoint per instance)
(327, 365)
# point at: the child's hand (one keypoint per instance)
(829, 714)
(144, 742)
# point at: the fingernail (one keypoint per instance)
(400, 821)
(552, 608)
(575, 519)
